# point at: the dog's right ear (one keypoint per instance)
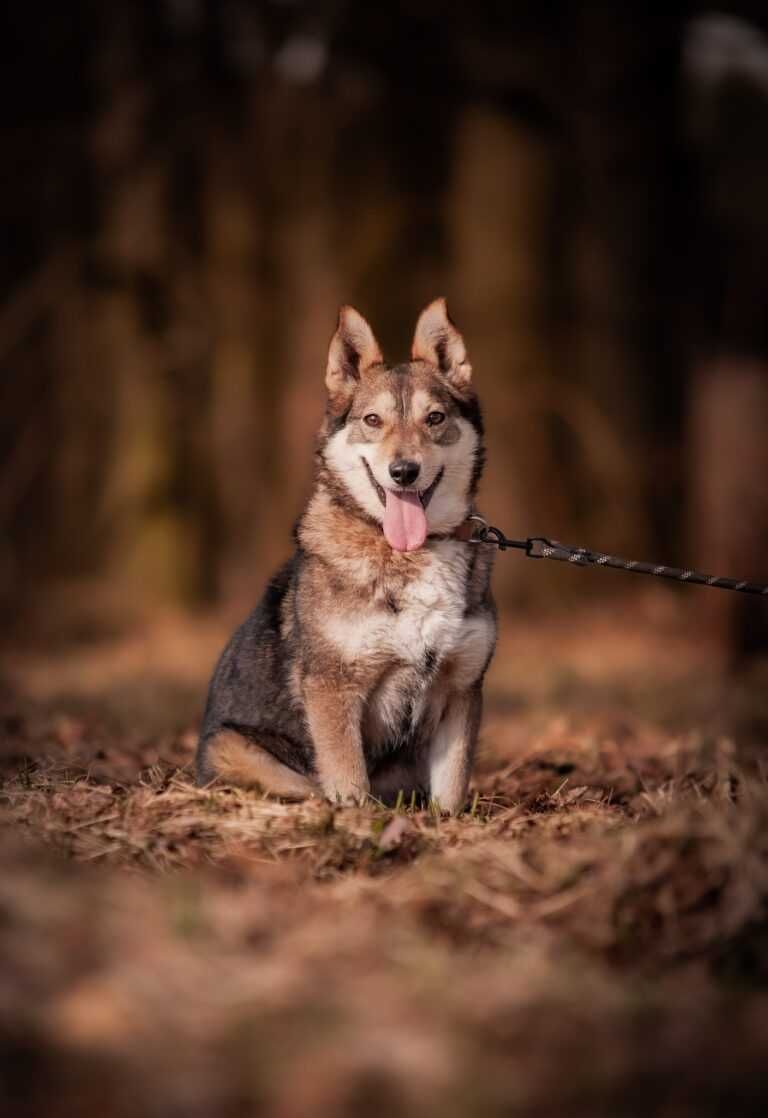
(353, 349)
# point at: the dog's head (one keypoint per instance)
(404, 442)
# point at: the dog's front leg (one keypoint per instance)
(452, 750)
(334, 717)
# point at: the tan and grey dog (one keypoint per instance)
(360, 672)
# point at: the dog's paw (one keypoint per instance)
(446, 805)
(347, 793)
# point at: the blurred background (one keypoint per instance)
(190, 188)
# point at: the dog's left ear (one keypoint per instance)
(438, 342)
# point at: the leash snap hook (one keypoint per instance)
(480, 534)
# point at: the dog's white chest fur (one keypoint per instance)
(425, 629)
(425, 614)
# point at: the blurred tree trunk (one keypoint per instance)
(240, 365)
(729, 462)
(150, 533)
(500, 198)
(149, 542)
(728, 396)
(310, 265)
(622, 92)
(394, 159)
(82, 398)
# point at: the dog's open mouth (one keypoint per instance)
(405, 521)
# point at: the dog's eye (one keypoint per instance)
(372, 420)
(434, 418)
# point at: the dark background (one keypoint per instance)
(190, 188)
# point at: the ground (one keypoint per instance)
(590, 938)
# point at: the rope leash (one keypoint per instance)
(539, 547)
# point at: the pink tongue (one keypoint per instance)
(405, 524)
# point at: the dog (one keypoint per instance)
(360, 672)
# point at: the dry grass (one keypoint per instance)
(590, 940)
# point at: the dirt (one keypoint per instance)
(590, 938)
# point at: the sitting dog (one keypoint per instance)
(360, 671)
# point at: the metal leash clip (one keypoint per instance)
(486, 533)
(480, 534)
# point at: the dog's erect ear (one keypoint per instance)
(439, 342)
(353, 350)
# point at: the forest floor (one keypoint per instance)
(591, 939)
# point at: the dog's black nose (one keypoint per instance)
(404, 471)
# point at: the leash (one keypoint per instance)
(539, 547)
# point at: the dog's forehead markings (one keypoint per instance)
(384, 402)
(423, 401)
(401, 382)
(407, 392)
